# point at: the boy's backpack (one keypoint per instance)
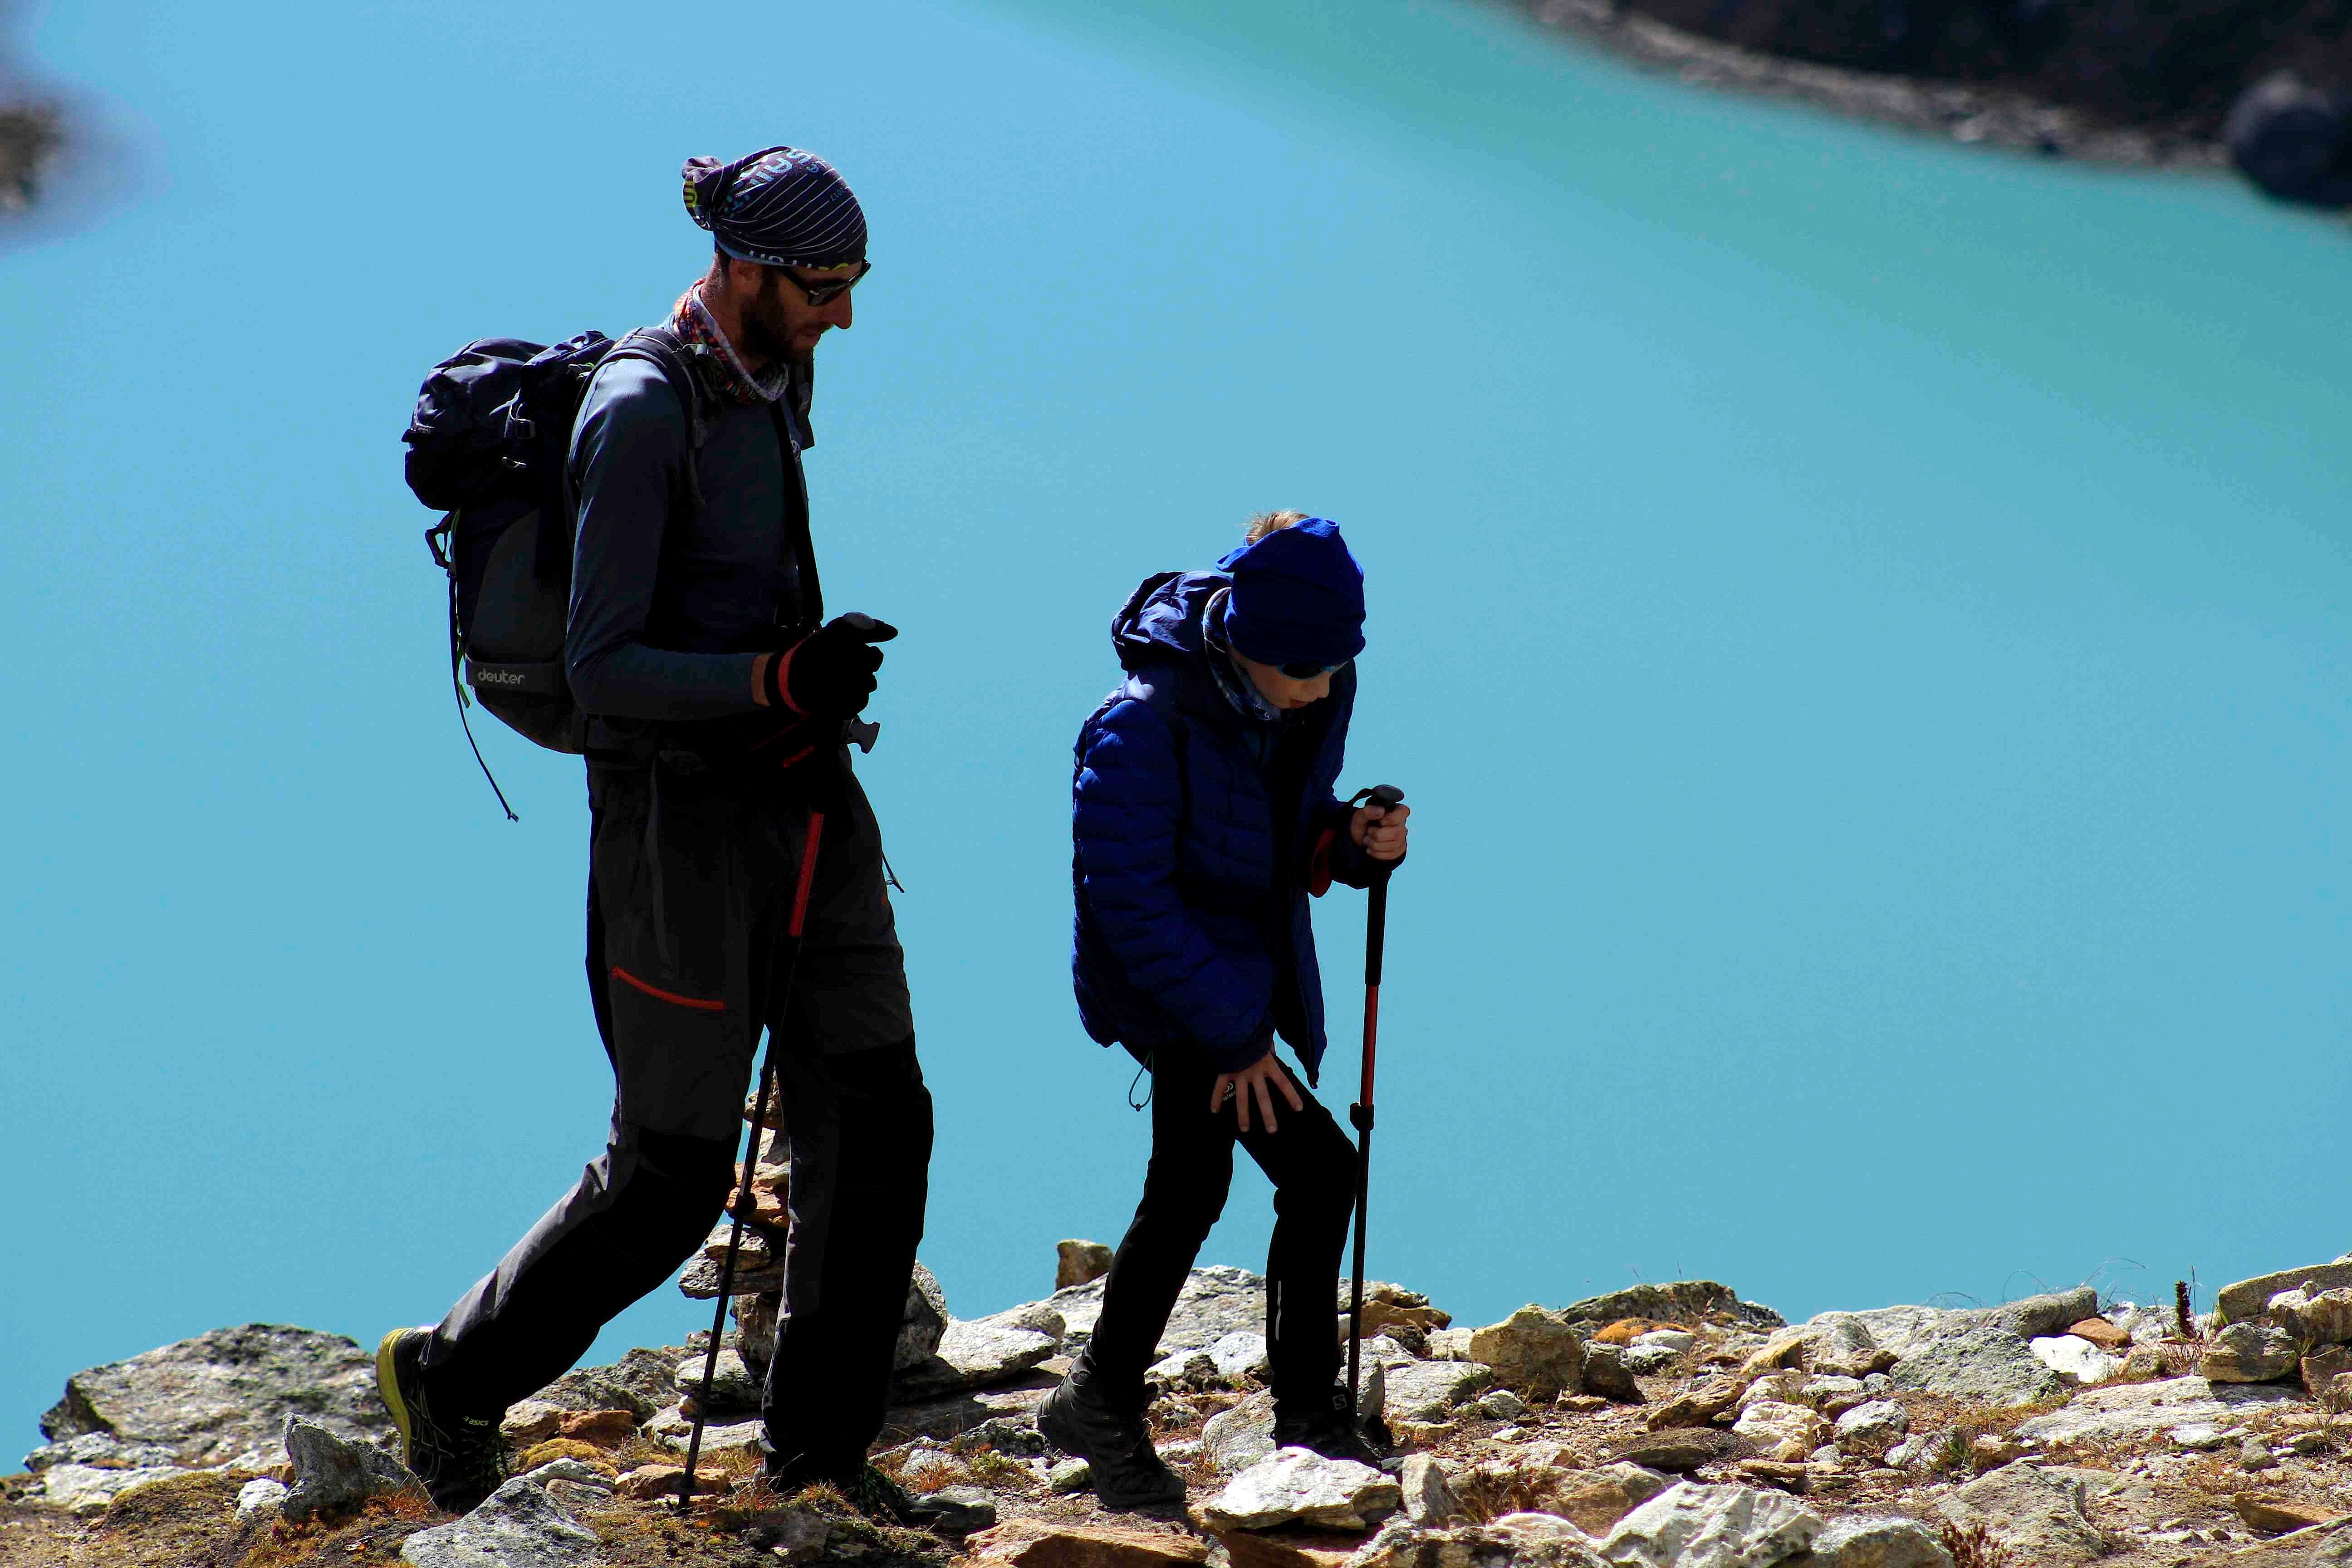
(488, 446)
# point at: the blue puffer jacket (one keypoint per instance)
(1182, 911)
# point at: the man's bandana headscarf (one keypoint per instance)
(779, 206)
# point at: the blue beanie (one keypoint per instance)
(1298, 597)
(780, 206)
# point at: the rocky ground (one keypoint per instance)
(1663, 1427)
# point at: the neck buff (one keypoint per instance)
(726, 372)
(780, 206)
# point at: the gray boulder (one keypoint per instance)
(1868, 1430)
(642, 1383)
(2316, 1318)
(1300, 1486)
(733, 1386)
(1677, 1450)
(1607, 1372)
(2040, 1516)
(1693, 1526)
(1216, 1301)
(1428, 1491)
(226, 1395)
(2247, 1297)
(1532, 1351)
(973, 1354)
(518, 1527)
(1859, 1541)
(1682, 1301)
(2037, 1316)
(332, 1473)
(101, 1449)
(1239, 1437)
(2135, 1412)
(1430, 1389)
(2249, 1353)
(1079, 1263)
(1982, 1362)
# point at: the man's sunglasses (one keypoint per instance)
(821, 294)
(1309, 671)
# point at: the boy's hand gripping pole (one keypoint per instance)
(1376, 924)
(744, 1204)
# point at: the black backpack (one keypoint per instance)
(488, 446)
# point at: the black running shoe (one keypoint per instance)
(1329, 1429)
(1128, 1471)
(459, 1458)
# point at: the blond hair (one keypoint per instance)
(1267, 523)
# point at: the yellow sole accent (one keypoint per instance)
(387, 1387)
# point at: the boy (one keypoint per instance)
(1203, 820)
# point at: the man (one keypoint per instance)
(716, 703)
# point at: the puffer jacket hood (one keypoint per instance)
(1162, 619)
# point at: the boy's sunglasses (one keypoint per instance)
(821, 294)
(1309, 671)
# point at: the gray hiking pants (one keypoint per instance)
(692, 876)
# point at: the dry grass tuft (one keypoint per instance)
(1972, 1546)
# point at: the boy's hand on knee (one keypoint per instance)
(1261, 1079)
(1378, 832)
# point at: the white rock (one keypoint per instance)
(1501, 1405)
(1674, 1340)
(1071, 1476)
(972, 1354)
(1298, 1484)
(2078, 1359)
(1241, 1355)
(2128, 1411)
(1693, 1526)
(258, 1496)
(1239, 1437)
(1870, 1430)
(85, 1490)
(1185, 1369)
(1783, 1432)
(673, 1431)
(1450, 1344)
(2197, 1437)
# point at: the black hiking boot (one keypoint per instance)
(459, 1458)
(1128, 1471)
(1329, 1429)
(885, 1501)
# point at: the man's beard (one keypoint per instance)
(767, 334)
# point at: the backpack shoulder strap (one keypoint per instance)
(663, 349)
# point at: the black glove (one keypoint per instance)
(829, 674)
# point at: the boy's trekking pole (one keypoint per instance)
(1376, 924)
(782, 990)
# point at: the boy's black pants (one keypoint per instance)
(1312, 1165)
(692, 879)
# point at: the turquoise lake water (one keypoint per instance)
(1862, 621)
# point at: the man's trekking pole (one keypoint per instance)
(1376, 924)
(782, 991)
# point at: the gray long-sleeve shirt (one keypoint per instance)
(670, 604)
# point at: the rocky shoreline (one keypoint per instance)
(1663, 1427)
(1977, 114)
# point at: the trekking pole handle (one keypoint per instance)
(1387, 797)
